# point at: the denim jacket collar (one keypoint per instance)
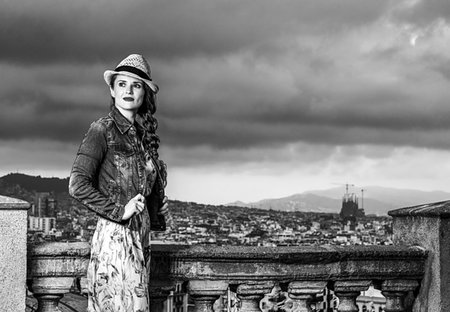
(121, 122)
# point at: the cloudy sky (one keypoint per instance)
(259, 99)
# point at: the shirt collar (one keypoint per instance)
(121, 122)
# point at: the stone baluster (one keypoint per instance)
(395, 292)
(251, 293)
(53, 269)
(49, 290)
(347, 292)
(205, 292)
(303, 292)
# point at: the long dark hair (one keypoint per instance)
(150, 139)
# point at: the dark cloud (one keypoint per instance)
(233, 74)
(227, 134)
(36, 115)
(86, 31)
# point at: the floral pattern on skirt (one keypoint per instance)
(118, 272)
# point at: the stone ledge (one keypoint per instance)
(433, 210)
(9, 203)
(330, 263)
(80, 249)
(292, 254)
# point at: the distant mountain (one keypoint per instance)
(377, 200)
(297, 202)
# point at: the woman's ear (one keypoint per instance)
(112, 92)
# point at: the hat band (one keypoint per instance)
(133, 70)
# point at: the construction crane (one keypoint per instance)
(362, 198)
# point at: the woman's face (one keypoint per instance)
(128, 93)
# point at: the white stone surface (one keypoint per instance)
(13, 254)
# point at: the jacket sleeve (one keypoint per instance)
(84, 176)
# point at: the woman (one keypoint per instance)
(118, 175)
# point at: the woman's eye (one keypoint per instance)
(121, 84)
(138, 86)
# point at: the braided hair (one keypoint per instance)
(146, 111)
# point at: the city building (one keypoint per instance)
(46, 225)
(45, 205)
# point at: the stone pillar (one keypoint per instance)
(205, 292)
(303, 292)
(428, 226)
(13, 255)
(347, 292)
(251, 294)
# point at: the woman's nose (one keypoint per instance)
(129, 89)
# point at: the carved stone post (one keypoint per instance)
(13, 253)
(251, 294)
(303, 292)
(49, 290)
(347, 292)
(205, 293)
(395, 292)
(53, 269)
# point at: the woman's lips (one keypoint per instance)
(128, 99)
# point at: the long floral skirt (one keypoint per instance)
(118, 272)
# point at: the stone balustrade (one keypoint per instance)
(413, 274)
(250, 272)
(304, 272)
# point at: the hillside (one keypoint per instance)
(35, 183)
(24, 187)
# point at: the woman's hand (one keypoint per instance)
(134, 206)
(170, 222)
(164, 209)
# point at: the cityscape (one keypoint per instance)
(196, 223)
(55, 217)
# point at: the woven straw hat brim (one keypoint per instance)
(109, 73)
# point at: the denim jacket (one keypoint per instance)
(109, 168)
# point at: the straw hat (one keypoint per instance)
(134, 66)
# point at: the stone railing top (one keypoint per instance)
(434, 210)
(59, 249)
(9, 203)
(291, 254)
(240, 263)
